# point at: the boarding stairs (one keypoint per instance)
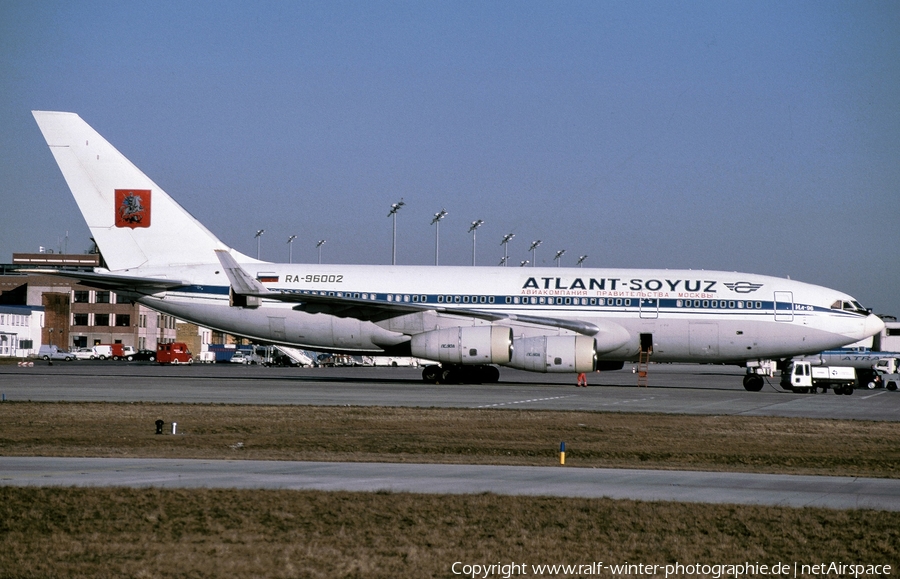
(295, 354)
(643, 366)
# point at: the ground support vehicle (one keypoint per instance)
(114, 351)
(804, 377)
(174, 353)
(887, 374)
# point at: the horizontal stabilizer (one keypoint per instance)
(114, 282)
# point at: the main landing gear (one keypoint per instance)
(458, 374)
(753, 382)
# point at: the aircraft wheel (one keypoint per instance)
(447, 376)
(431, 374)
(753, 383)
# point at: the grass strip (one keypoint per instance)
(462, 436)
(114, 532)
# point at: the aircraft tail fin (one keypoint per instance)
(133, 221)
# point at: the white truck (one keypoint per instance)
(887, 374)
(802, 376)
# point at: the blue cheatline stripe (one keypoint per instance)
(562, 304)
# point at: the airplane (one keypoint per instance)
(467, 320)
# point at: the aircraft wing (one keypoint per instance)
(114, 282)
(348, 307)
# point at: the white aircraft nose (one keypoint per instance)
(874, 325)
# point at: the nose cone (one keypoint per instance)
(874, 325)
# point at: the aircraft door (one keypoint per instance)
(276, 328)
(704, 339)
(649, 308)
(784, 306)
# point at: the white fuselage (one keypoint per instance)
(687, 315)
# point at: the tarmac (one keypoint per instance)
(674, 389)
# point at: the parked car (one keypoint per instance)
(142, 356)
(54, 353)
(84, 354)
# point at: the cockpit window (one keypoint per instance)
(849, 306)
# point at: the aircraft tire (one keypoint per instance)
(449, 376)
(753, 383)
(431, 374)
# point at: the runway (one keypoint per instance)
(681, 389)
(674, 389)
(645, 485)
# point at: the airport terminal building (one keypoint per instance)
(42, 309)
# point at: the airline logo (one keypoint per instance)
(132, 208)
(743, 287)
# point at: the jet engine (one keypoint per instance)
(465, 345)
(554, 354)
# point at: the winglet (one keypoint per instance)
(241, 282)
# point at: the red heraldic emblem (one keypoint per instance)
(132, 208)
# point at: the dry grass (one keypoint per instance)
(514, 437)
(113, 532)
(231, 533)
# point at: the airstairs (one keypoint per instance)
(295, 354)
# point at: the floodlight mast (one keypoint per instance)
(437, 231)
(532, 249)
(580, 262)
(505, 243)
(559, 254)
(395, 207)
(290, 242)
(319, 247)
(257, 236)
(475, 225)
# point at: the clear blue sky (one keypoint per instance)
(749, 136)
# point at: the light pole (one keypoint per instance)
(319, 247)
(559, 254)
(523, 263)
(475, 225)
(394, 209)
(290, 242)
(580, 262)
(534, 246)
(503, 261)
(257, 236)
(505, 244)
(437, 231)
